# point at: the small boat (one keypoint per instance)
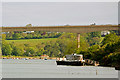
(73, 60)
(4, 58)
(45, 59)
(17, 58)
(26, 58)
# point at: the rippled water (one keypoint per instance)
(49, 69)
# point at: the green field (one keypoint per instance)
(30, 42)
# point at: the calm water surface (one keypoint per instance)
(48, 69)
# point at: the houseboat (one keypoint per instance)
(74, 60)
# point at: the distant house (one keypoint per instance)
(52, 32)
(28, 32)
(93, 24)
(44, 56)
(103, 33)
(49, 32)
(4, 32)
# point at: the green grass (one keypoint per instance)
(30, 42)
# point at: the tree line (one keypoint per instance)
(107, 52)
(16, 35)
(66, 43)
(106, 49)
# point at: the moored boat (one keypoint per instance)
(73, 60)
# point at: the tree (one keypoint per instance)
(40, 52)
(6, 49)
(9, 35)
(110, 39)
(17, 51)
(29, 36)
(16, 36)
(95, 34)
(52, 49)
(30, 51)
(29, 25)
(3, 36)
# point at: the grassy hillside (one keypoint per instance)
(30, 42)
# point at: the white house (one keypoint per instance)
(28, 32)
(103, 33)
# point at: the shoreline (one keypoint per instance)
(25, 57)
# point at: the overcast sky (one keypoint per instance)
(59, 13)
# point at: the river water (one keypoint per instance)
(48, 69)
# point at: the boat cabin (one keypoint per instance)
(74, 57)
